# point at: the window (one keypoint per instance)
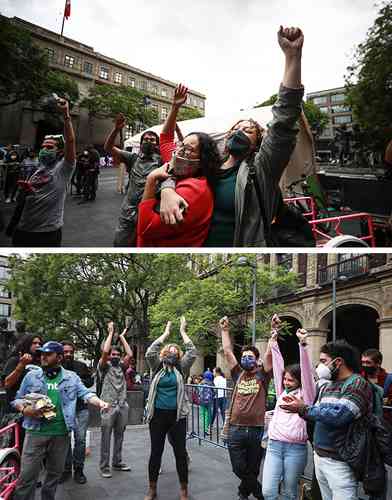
(340, 109)
(4, 273)
(163, 92)
(302, 268)
(327, 132)
(88, 68)
(5, 310)
(338, 98)
(118, 77)
(285, 260)
(104, 73)
(131, 81)
(164, 113)
(324, 109)
(4, 293)
(154, 107)
(154, 89)
(69, 61)
(320, 100)
(143, 85)
(342, 119)
(50, 53)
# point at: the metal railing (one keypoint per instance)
(206, 419)
(347, 268)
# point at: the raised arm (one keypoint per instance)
(277, 362)
(226, 343)
(13, 378)
(109, 147)
(307, 378)
(127, 348)
(267, 358)
(152, 353)
(179, 98)
(291, 41)
(107, 345)
(190, 349)
(69, 134)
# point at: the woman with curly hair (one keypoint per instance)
(247, 194)
(168, 405)
(194, 163)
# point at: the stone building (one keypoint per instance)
(363, 303)
(24, 124)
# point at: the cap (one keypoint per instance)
(207, 375)
(52, 346)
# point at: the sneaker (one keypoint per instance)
(67, 474)
(8, 200)
(121, 467)
(79, 477)
(106, 473)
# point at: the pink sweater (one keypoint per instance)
(285, 426)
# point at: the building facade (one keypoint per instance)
(22, 124)
(363, 303)
(332, 102)
(6, 302)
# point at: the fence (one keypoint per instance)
(207, 417)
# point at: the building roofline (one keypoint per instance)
(327, 91)
(87, 49)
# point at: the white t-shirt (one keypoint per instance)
(221, 383)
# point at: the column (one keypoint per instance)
(316, 339)
(385, 329)
(311, 275)
(221, 362)
(198, 366)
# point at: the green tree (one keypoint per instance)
(317, 119)
(105, 101)
(210, 295)
(73, 296)
(24, 65)
(189, 114)
(369, 80)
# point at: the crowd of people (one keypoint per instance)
(181, 191)
(319, 405)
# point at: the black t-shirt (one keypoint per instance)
(86, 377)
(10, 366)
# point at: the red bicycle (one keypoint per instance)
(9, 460)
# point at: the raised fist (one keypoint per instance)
(180, 95)
(302, 335)
(276, 323)
(119, 121)
(224, 323)
(290, 40)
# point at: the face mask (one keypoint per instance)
(248, 362)
(323, 372)
(51, 371)
(238, 144)
(170, 359)
(148, 148)
(369, 370)
(47, 158)
(115, 362)
(182, 167)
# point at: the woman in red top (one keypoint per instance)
(194, 162)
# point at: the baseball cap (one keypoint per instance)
(52, 346)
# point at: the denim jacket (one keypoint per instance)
(71, 388)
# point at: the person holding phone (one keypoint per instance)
(286, 454)
(193, 162)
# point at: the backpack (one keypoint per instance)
(206, 394)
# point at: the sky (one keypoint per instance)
(226, 49)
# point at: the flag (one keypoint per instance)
(67, 10)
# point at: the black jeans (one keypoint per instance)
(164, 422)
(34, 239)
(219, 403)
(246, 454)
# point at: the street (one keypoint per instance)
(89, 224)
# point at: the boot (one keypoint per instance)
(152, 491)
(79, 477)
(184, 491)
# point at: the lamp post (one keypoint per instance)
(244, 261)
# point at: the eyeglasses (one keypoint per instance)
(186, 148)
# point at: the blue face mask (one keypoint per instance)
(248, 363)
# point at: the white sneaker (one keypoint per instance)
(8, 200)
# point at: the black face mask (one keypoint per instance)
(51, 371)
(369, 370)
(238, 144)
(170, 359)
(115, 362)
(148, 148)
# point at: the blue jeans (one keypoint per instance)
(246, 454)
(219, 404)
(336, 479)
(283, 462)
(79, 451)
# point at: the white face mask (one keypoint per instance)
(323, 372)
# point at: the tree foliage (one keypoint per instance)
(369, 80)
(106, 101)
(317, 119)
(226, 291)
(189, 114)
(73, 296)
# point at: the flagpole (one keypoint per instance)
(62, 28)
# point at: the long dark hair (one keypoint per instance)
(210, 159)
(24, 344)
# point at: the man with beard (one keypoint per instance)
(247, 410)
(25, 357)
(48, 439)
(77, 455)
(346, 399)
(42, 212)
(138, 166)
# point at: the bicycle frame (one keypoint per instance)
(7, 487)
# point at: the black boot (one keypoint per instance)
(79, 477)
(67, 474)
